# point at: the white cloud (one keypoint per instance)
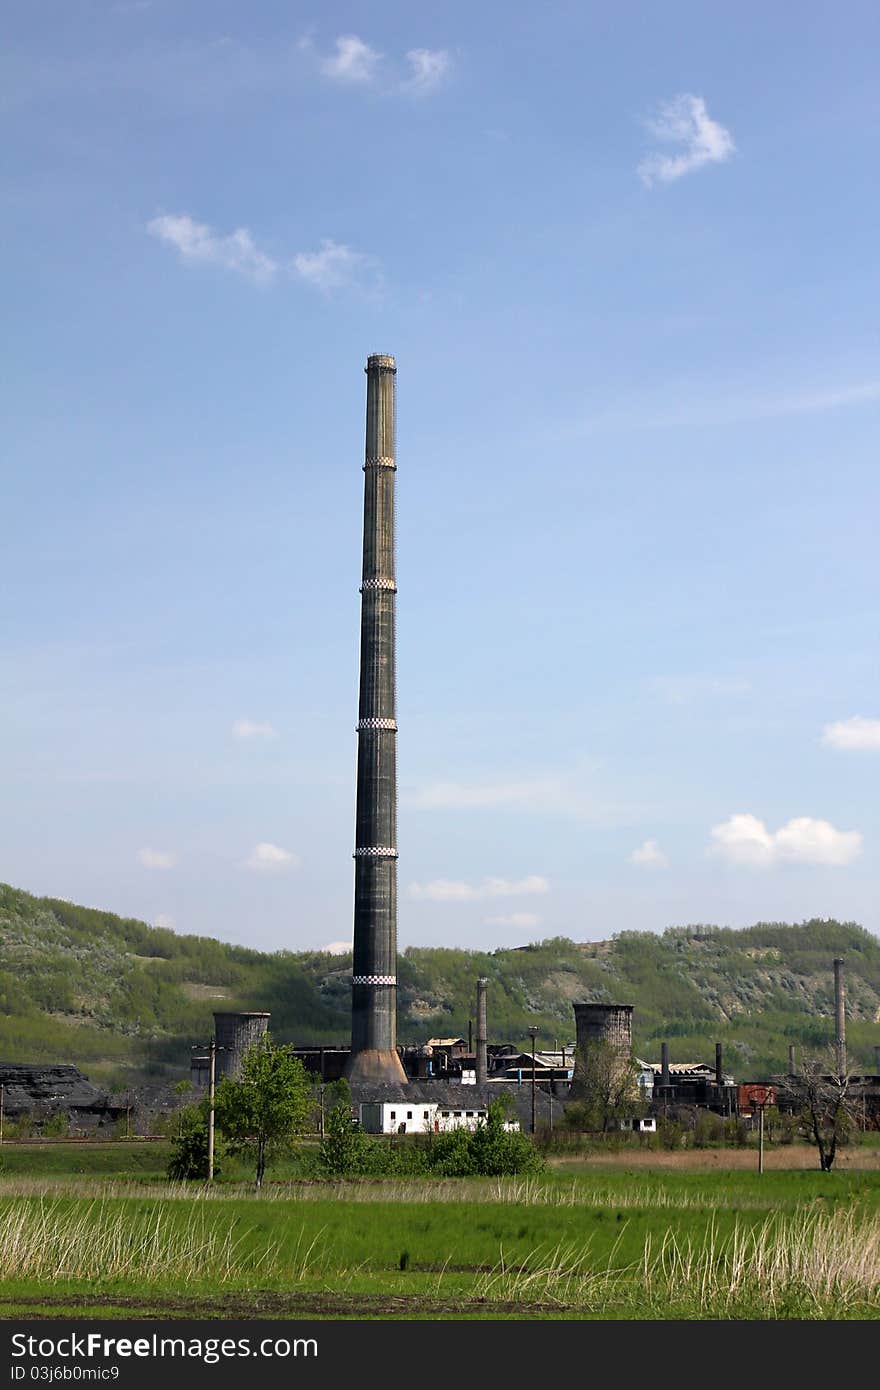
(649, 856)
(337, 948)
(164, 921)
(354, 61)
(526, 920)
(444, 890)
(198, 244)
(248, 728)
(855, 733)
(267, 858)
(429, 67)
(685, 121)
(156, 859)
(744, 839)
(331, 267)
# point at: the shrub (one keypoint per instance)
(189, 1157)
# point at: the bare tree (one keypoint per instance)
(820, 1099)
(605, 1088)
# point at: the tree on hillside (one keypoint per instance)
(264, 1112)
(822, 1104)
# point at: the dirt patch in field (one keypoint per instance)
(262, 1304)
(791, 1156)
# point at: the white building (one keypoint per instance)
(415, 1110)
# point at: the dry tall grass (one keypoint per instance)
(46, 1240)
(808, 1266)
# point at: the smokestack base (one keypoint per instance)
(370, 1066)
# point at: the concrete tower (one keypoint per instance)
(839, 1018)
(236, 1034)
(482, 1033)
(601, 1026)
(374, 1056)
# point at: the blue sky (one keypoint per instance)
(626, 261)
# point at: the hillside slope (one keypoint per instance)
(115, 995)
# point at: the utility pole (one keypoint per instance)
(533, 1033)
(2, 1099)
(212, 1065)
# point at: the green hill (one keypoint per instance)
(118, 997)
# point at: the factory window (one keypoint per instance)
(409, 1114)
(425, 1115)
(394, 1114)
(470, 1114)
(445, 1114)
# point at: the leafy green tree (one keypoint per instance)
(263, 1113)
(345, 1148)
(189, 1147)
(488, 1151)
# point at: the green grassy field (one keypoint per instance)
(610, 1243)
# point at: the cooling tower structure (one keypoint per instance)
(374, 1056)
(235, 1034)
(605, 1026)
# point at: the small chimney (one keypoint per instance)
(482, 1061)
(839, 1018)
(719, 1074)
(664, 1065)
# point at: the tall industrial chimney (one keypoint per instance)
(482, 1032)
(839, 1018)
(664, 1065)
(791, 1059)
(719, 1068)
(374, 1056)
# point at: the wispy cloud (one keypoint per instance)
(337, 948)
(525, 920)
(156, 858)
(164, 921)
(428, 69)
(683, 689)
(649, 856)
(856, 733)
(269, 858)
(744, 839)
(330, 268)
(548, 794)
(196, 243)
(684, 121)
(703, 404)
(445, 890)
(354, 61)
(333, 267)
(249, 728)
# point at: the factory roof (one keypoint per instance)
(434, 1092)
